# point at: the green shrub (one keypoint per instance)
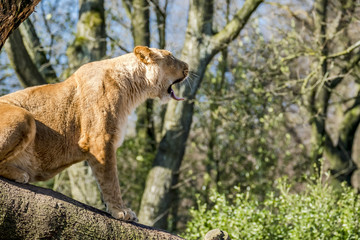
(318, 212)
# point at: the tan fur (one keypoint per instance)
(45, 129)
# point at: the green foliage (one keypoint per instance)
(317, 212)
(92, 18)
(249, 140)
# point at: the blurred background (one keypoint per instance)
(273, 92)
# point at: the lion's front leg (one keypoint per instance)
(104, 167)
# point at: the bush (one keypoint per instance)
(318, 212)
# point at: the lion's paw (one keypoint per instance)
(125, 214)
(23, 178)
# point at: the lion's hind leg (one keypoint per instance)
(17, 132)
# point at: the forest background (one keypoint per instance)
(273, 92)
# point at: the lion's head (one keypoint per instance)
(169, 71)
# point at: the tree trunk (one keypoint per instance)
(320, 96)
(140, 28)
(161, 21)
(213, 160)
(156, 199)
(25, 52)
(90, 39)
(36, 51)
(30, 212)
(161, 14)
(140, 22)
(342, 165)
(14, 12)
(25, 69)
(339, 154)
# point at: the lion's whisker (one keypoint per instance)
(193, 74)
(188, 82)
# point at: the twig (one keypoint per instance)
(346, 51)
(185, 181)
(158, 8)
(116, 42)
(307, 21)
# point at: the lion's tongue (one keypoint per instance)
(172, 94)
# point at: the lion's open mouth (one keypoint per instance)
(172, 93)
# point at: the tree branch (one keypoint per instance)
(158, 9)
(346, 51)
(30, 212)
(233, 28)
(307, 21)
(116, 42)
(355, 59)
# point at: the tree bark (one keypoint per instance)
(30, 212)
(201, 44)
(14, 12)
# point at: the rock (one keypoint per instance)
(217, 234)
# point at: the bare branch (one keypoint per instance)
(307, 21)
(117, 44)
(349, 66)
(158, 8)
(233, 28)
(346, 51)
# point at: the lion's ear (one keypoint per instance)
(144, 54)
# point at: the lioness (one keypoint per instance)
(45, 129)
